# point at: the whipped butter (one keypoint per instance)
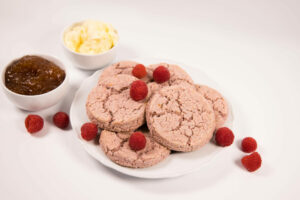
(90, 37)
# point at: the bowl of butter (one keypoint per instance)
(90, 44)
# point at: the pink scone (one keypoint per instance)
(179, 118)
(123, 67)
(177, 76)
(217, 101)
(116, 147)
(110, 106)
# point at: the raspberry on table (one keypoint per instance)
(89, 131)
(161, 74)
(34, 123)
(139, 71)
(61, 120)
(138, 90)
(224, 137)
(252, 162)
(137, 141)
(249, 145)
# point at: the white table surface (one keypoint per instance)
(251, 48)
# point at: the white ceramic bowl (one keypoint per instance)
(41, 101)
(87, 61)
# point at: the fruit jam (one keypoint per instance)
(33, 75)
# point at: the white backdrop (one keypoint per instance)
(251, 48)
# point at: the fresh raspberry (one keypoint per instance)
(139, 71)
(138, 90)
(89, 131)
(61, 120)
(224, 137)
(161, 74)
(252, 162)
(249, 145)
(34, 123)
(137, 141)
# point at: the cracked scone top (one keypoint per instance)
(123, 67)
(217, 102)
(180, 118)
(177, 76)
(116, 147)
(110, 106)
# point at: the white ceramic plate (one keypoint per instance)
(176, 164)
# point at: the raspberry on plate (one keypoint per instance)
(61, 120)
(137, 141)
(138, 90)
(139, 71)
(252, 162)
(224, 137)
(161, 74)
(34, 123)
(89, 131)
(249, 145)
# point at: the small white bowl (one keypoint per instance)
(87, 61)
(41, 101)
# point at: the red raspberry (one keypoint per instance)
(224, 137)
(249, 145)
(138, 90)
(61, 120)
(139, 71)
(161, 74)
(252, 162)
(137, 141)
(34, 123)
(89, 131)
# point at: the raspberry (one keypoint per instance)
(61, 120)
(249, 145)
(89, 131)
(137, 141)
(34, 123)
(139, 71)
(138, 90)
(224, 137)
(252, 162)
(161, 74)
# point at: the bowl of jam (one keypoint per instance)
(35, 82)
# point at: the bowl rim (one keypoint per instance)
(84, 54)
(47, 57)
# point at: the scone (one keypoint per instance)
(116, 147)
(179, 118)
(123, 67)
(217, 102)
(177, 76)
(110, 106)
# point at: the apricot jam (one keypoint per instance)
(33, 75)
